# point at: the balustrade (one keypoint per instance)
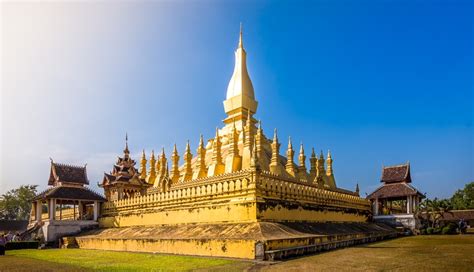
(182, 193)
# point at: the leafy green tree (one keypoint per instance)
(16, 204)
(434, 209)
(464, 198)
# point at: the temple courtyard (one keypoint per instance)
(415, 253)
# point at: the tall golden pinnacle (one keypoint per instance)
(152, 174)
(275, 166)
(248, 133)
(290, 165)
(329, 164)
(254, 157)
(240, 98)
(188, 169)
(320, 174)
(165, 180)
(163, 169)
(217, 167)
(312, 161)
(330, 180)
(175, 165)
(233, 161)
(302, 174)
(201, 170)
(259, 138)
(143, 166)
(157, 167)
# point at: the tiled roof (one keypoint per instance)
(66, 192)
(456, 215)
(394, 190)
(397, 173)
(67, 174)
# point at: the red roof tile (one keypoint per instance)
(397, 173)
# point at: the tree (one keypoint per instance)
(464, 198)
(434, 209)
(16, 204)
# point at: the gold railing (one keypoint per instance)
(235, 184)
(286, 188)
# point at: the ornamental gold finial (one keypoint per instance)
(162, 170)
(302, 157)
(312, 161)
(233, 141)
(175, 165)
(201, 141)
(329, 164)
(216, 167)
(241, 42)
(302, 174)
(201, 170)
(254, 158)
(152, 174)
(233, 161)
(248, 131)
(143, 166)
(290, 165)
(275, 166)
(188, 170)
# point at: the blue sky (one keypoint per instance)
(376, 82)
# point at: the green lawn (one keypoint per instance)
(416, 253)
(98, 260)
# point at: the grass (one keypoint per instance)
(416, 253)
(98, 260)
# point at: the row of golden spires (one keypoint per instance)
(253, 155)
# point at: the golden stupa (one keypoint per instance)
(236, 197)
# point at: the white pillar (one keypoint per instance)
(52, 209)
(376, 206)
(408, 204)
(39, 210)
(96, 210)
(80, 209)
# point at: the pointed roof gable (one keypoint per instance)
(67, 174)
(396, 173)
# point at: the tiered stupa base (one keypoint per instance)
(257, 240)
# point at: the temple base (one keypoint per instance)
(258, 240)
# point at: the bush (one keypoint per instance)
(429, 230)
(451, 228)
(22, 245)
(437, 230)
(422, 231)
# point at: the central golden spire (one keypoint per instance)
(240, 100)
